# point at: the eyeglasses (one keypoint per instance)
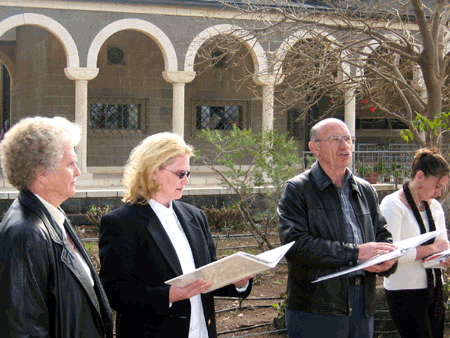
(337, 139)
(180, 174)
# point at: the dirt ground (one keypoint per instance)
(254, 316)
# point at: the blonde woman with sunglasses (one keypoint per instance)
(154, 237)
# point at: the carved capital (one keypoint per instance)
(178, 76)
(81, 73)
(267, 79)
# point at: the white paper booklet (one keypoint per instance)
(402, 248)
(233, 268)
(433, 261)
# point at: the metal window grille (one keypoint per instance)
(219, 117)
(114, 116)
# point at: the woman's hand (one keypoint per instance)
(440, 245)
(242, 282)
(179, 293)
(446, 262)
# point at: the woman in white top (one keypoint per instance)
(415, 294)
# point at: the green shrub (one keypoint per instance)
(96, 213)
(224, 219)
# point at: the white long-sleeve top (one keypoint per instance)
(402, 224)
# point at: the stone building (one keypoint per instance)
(127, 69)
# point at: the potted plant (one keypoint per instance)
(397, 173)
(366, 171)
(383, 171)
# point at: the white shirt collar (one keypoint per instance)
(160, 210)
(57, 215)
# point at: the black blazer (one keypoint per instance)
(44, 290)
(137, 256)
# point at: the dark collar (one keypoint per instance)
(323, 181)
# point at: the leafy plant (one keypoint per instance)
(439, 125)
(280, 320)
(379, 168)
(96, 213)
(396, 170)
(252, 165)
(224, 218)
(88, 246)
(363, 169)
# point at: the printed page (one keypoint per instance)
(274, 256)
(402, 248)
(232, 268)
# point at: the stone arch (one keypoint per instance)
(256, 50)
(9, 64)
(11, 69)
(149, 29)
(292, 40)
(49, 24)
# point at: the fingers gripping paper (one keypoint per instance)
(233, 268)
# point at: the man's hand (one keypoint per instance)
(372, 249)
(377, 268)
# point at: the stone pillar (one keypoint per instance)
(178, 79)
(350, 110)
(350, 116)
(81, 76)
(268, 83)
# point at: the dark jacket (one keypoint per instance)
(44, 290)
(137, 257)
(310, 213)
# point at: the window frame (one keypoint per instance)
(141, 130)
(245, 104)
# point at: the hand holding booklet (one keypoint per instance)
(402, 247)
(232, 268)
(434, 260)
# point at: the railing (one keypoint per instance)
(386, 166)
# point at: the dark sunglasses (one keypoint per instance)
(180, 174)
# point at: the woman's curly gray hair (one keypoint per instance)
(35, 143)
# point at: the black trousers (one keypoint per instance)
(412, 314)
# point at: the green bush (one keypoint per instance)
(224, 219)
(251, 165)
(96, 213)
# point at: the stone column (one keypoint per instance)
(268, 83)
(178, 79)
(81, 76)
(350, 110)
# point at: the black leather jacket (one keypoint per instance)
(44, 290)
(310, 213)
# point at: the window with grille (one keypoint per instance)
(108, 114)
(219, 117)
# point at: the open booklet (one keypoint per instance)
(233, 268)
(402, 248)
(434, 260)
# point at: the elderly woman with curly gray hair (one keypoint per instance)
(48, 285)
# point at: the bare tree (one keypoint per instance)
(391, 54)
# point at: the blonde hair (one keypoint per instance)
(153, 153)
(35, 143)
